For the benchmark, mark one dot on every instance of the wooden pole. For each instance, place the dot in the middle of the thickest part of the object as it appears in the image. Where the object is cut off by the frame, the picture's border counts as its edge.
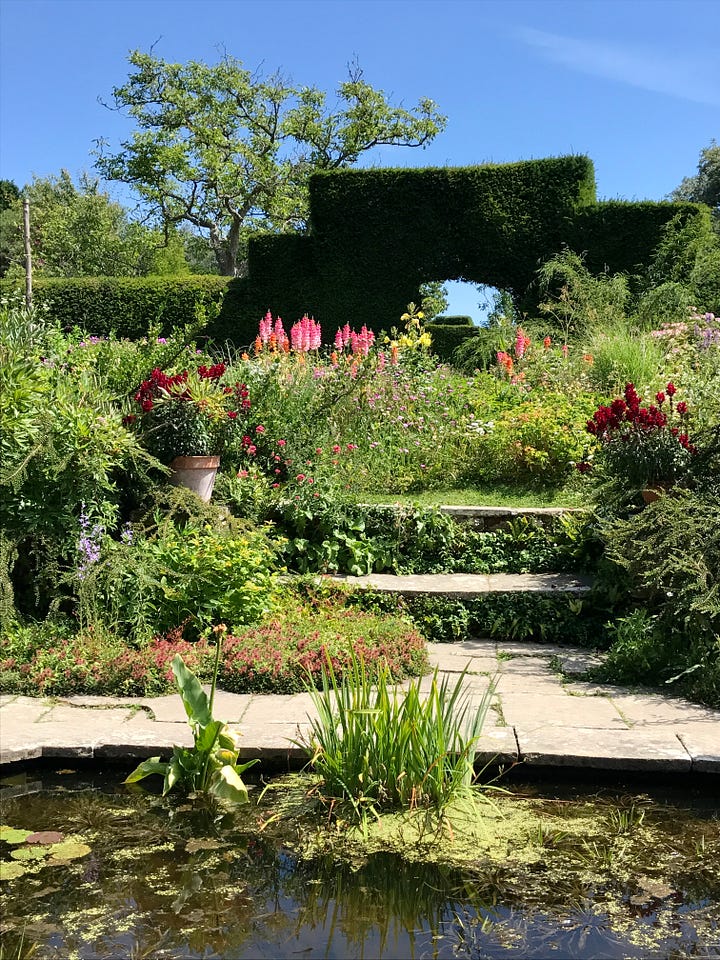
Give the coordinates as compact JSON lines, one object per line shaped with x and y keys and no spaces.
{"x":28,"y":254}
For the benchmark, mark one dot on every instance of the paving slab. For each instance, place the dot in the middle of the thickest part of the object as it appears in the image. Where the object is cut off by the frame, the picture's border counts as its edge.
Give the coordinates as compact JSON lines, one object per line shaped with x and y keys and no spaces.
{"x":703,"y":745}
{"x":528,"y":712}
{"x":649,"y":709}
{"x":467,"y":585}
{"x":610,"y":749}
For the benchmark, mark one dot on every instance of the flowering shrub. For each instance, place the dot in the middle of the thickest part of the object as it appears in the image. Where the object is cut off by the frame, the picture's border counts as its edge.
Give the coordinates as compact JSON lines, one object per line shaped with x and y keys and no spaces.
{"x":188,"y":414}
{"x":276,"y":656}
{"x":536,"y":441}
{"x":642,"y":444}
{"x":284,"y":652}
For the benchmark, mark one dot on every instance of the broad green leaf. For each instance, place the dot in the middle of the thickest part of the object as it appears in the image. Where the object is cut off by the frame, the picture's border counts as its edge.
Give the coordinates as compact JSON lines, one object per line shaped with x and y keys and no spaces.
{"x":194,"y":698}
{"x":12,"y":870}
{"x":208,"y":736}
{"x":146,"y":769}
{"x":227,"y":785}
{"x":173,"y":775}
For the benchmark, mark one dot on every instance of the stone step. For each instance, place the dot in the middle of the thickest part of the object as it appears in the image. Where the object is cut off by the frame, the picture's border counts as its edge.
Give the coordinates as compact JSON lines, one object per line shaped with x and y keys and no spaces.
{"x":490,"y":518}
{"x":467,"y":585}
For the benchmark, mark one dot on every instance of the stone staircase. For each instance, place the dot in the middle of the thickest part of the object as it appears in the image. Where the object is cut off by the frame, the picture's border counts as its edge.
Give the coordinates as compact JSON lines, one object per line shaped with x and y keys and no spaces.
{"x":468,"y":586}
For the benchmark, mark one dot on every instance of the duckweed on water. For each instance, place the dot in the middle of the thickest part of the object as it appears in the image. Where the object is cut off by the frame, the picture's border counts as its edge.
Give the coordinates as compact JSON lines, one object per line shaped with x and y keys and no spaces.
{"x":584,"y":876}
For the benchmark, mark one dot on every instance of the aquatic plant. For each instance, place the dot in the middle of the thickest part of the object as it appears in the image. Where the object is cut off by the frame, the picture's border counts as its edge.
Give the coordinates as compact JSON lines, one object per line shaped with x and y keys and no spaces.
{"x":210,"y":766}
{"x":378,"y":746}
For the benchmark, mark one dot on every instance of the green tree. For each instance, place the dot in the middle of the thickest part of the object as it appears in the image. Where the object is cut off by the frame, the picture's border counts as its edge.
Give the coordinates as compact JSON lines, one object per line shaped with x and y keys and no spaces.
{"x":78,"y":231}
{"x":11,"y":247}
{"x":704,"y":187}
{"x":230,"y":153}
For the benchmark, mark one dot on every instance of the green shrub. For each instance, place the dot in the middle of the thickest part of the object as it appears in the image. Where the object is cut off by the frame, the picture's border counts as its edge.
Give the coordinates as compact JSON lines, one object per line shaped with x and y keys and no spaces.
{"x":535,"y":441}
{"x":622,"y":354}
{"x":303,"y":636}
{"x":185,"y":577}
{"x":444,"y":320}
{"x":564,"y":619}
{"x":669,"y":558}
{"x":278,"y":655}
{"x":446,"y":338}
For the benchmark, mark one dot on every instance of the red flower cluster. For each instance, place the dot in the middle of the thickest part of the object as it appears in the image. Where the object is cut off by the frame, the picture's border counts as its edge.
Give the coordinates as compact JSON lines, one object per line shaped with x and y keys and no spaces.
{"x":158,"y":381}
{"x":610,"y":420}
{"x":212,"y":373}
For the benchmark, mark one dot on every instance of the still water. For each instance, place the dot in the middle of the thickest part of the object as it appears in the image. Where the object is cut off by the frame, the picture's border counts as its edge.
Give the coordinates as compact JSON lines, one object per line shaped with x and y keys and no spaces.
{"x":552,"y":872}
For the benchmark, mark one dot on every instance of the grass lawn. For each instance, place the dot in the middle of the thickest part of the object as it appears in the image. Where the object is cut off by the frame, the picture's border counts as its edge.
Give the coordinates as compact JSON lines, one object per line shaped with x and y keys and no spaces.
{"x":495,"y":495}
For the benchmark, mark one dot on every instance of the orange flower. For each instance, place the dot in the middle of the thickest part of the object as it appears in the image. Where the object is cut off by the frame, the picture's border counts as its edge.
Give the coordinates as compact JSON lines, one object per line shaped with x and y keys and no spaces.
{"x":588,"y":358}
{"x":258,"y":346}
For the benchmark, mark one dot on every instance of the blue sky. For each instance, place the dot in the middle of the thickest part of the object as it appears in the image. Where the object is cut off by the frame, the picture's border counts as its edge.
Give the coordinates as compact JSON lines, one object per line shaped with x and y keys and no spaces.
{"x":634,"y":84}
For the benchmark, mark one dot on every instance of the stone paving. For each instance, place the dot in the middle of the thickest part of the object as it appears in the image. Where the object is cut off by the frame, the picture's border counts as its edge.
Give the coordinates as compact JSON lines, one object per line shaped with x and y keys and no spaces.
{"x":536,"y":717}
{"x":468,"y":585}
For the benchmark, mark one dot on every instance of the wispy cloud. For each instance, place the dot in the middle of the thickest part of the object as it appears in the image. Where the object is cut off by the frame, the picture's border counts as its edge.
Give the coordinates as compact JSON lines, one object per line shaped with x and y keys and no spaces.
{"x":650,"y":69}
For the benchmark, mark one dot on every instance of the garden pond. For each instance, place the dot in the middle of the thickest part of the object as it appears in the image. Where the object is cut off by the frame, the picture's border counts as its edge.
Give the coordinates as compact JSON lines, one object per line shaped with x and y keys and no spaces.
{"x":91,"y":868}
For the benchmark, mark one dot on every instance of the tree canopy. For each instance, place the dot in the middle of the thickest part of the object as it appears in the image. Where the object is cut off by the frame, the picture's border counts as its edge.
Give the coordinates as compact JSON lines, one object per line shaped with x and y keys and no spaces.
{"x":704,"y":187}
{"x":230,"y":153}
{"x":77,"y":230}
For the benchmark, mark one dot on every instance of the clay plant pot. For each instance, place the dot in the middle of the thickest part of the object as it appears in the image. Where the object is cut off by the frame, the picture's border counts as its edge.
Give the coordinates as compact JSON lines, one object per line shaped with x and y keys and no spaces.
{"x":657,"y":490}
{"x":195,"y":473}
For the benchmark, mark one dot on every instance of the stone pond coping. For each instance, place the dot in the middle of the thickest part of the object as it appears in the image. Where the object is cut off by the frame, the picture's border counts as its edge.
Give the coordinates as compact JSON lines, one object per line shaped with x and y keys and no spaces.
{"x":538,"y":718}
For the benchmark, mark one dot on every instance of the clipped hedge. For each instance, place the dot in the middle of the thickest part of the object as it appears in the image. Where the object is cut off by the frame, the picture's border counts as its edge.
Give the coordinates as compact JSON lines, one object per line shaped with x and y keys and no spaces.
{"x":125,"y":306}
{"x":446,"y":338}
{"x":452,"y":321}
{"x":377,"y":235}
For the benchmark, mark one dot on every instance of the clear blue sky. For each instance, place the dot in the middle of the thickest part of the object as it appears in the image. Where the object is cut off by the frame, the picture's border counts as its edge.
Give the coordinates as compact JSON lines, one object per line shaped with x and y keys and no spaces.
{"x":634,"y":84}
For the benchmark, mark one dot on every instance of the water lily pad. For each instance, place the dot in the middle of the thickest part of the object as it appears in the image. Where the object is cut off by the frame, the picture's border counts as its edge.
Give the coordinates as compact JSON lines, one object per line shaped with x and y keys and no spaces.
{"x":69,"y":850}
{"x":28,"y":853}
{"x":45,"y":836}
{"x":11,"y":870}
{"x":12,"y":835}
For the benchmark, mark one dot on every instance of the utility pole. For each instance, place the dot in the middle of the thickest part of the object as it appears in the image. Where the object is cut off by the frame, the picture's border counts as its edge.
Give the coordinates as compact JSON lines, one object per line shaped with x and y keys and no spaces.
{"x":28,"y":254}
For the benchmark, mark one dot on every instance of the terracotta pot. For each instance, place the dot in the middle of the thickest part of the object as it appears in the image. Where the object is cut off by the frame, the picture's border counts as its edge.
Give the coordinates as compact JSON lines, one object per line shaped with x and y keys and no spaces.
{"x":657,"y":490}
{"x":195,"y":473}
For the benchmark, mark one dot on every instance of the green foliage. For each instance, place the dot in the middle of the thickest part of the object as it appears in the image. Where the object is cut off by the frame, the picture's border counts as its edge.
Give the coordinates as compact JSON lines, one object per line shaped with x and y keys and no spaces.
{"x":185,"y":576}
{"x":376,"y":747}
{"x":618,"y":236}
{"x":562,"y":618}
{"x":62,"y":444}
{"x":452,"y":321}
{"x":622,"y":354}
{"x":78,"y":231}
{"x":230,"y":152}
{"x":704,"y":187}
{"x":277,"y":655}
{"x":126,"y":306}
{"x":211,"y":766}
{"x":579,"y":301}
{"x":535,"y":441}
{"x":306,"y":632}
